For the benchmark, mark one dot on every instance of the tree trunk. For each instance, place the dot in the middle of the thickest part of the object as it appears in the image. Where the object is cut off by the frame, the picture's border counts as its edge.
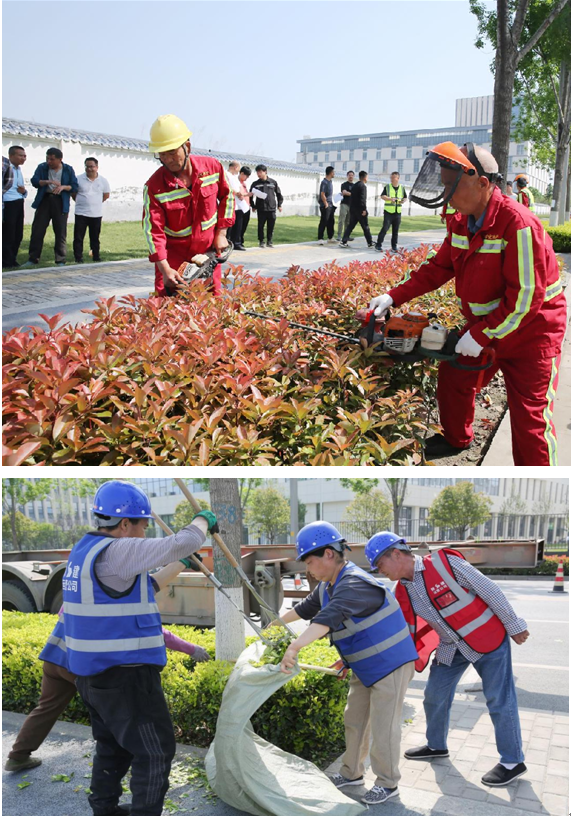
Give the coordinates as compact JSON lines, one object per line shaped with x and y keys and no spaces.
{"x":568,"y":205}
{"x":293,"y":511}
{"x":557,"y":215}
{"x":230,"y":632}
{"x":13,"y":516}
{"x":505,"y":68}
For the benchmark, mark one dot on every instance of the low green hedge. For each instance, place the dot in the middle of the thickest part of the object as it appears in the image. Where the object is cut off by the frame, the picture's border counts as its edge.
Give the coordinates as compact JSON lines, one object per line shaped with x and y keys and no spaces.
{"x":561,"y":237}
{"x":547,"y":567}
{"x":304,"y":717}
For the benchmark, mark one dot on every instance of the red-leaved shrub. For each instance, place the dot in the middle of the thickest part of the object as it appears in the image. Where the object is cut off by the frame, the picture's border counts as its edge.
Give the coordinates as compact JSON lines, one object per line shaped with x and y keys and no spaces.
{"x":193,"y":381}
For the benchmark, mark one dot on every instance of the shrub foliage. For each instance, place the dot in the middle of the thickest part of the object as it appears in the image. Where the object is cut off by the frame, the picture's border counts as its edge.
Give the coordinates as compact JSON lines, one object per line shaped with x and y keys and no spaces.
{"x":304,"y":717}
{"x":193,"y":381}
{"x":561,"y":237}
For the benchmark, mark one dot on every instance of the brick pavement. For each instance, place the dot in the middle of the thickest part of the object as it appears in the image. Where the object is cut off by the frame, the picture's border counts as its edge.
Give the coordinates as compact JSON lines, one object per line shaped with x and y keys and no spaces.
{"x":452,"y":785}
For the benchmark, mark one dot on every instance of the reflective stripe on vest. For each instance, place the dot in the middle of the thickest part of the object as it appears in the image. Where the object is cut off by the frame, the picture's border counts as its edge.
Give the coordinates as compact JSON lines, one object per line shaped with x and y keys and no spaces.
{"x":467,"y":615}
{"x":492,"y":246}
{"x":173,"y":195}
{"x":376,"y":645}
{"x":459,"y":241}
{"x":529,"y":194}
{"x":553,"y":290}
{"x":55,"y":650}
{"x":398,"y":192}
{"x":101,"y":631}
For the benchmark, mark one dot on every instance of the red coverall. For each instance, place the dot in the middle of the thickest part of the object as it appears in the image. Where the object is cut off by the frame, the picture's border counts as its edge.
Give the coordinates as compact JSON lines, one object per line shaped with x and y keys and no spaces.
{"x":179,"y":222}
{"x":507,"y":280}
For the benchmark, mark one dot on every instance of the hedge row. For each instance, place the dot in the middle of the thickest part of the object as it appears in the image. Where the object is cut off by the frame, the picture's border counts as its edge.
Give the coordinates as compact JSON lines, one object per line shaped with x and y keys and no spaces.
{"x":561,"y":237}
{"x":547,"y":567}
{"x":304,"y":717}
{"x":194,"y":381}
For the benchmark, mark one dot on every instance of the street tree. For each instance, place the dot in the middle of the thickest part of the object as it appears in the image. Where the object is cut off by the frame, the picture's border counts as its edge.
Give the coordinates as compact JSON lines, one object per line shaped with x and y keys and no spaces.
{"x":507,"y":30}
{"x":359,"y":486}
{"x":460,"y":507}
{"x":230,"y":631}
{"x":513,"y":505}
{"x":18,"y":492}
{"x":397,"y":489}
{"x":245,"y":488}
{"x":184,"y":513}
{"x":370,"y":512}
{"x":268,"y":512}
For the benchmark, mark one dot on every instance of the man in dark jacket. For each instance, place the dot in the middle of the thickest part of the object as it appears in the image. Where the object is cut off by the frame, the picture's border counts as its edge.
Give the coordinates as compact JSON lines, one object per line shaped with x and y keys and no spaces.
{"x":55,"y":182}
{"x":358,"y":212}
{"x":266,"y":204}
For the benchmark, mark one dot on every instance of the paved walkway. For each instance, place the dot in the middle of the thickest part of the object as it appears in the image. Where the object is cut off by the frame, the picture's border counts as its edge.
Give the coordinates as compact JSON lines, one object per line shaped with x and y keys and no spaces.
{"x":72,"y":288}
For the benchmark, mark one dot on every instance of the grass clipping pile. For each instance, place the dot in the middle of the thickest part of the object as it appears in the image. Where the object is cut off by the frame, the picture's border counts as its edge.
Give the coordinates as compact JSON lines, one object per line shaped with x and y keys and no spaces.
{"x":253,"y":775}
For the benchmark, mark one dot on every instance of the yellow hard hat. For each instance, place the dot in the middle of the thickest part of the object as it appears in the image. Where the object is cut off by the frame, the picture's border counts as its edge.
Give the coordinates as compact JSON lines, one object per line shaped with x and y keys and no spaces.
{"x":167,"y":133}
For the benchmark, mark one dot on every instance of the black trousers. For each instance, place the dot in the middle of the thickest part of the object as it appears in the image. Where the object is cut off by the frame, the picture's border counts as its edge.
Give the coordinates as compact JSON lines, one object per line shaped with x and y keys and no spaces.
{"x":355,"y":218}
{"x":49,"y":209}
{"x":388,"y":220}
{"x":237,"y":230}
{"x":245,"y":222}
{"x":264,"y":218}
{"x":12,"y":231}
{"x":132,"y":728}
{"x":327,"y":222}
{"x":82,"y":224}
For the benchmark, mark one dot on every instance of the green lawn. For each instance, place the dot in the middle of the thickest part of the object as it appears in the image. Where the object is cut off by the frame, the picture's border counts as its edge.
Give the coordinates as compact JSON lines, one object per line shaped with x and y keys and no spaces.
{"x":122,"y":240}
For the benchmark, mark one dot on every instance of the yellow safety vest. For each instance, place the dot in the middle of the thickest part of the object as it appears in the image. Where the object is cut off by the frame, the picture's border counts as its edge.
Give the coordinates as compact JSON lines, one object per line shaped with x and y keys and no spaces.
{"x":398,"y":192}
{"x":531,"y":198}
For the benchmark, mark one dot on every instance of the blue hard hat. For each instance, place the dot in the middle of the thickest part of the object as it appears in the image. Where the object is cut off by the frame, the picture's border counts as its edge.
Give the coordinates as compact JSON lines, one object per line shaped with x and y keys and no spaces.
{"x":380,"y":542}
{"x":121,"y":500}
{"x":315,"y":536}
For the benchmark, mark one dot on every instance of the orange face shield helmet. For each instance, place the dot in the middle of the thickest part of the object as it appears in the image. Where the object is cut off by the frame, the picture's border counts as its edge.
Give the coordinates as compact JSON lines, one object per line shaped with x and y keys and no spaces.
{"x":429,"y":189}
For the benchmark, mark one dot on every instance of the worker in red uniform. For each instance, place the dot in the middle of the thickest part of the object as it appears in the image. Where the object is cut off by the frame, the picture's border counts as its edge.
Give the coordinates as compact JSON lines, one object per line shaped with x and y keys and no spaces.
{"x":187,"y":205}
{"x":507,"y":280}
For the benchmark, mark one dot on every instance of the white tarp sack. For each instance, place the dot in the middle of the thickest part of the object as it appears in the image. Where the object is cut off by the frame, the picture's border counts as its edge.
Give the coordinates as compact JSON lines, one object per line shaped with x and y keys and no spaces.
{"x":253,"y":775}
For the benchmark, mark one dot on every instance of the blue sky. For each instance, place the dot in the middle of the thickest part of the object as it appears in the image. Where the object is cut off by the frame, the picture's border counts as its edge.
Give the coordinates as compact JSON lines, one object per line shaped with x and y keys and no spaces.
{"x":245,"y":76}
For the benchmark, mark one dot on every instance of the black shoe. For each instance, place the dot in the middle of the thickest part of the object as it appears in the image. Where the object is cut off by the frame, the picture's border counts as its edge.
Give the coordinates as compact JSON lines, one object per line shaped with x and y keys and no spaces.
{"x":379,"y":249}
{"x":270,"y":245}
{"x":240,"y":248}
{"x":350,"y":239}
{"x":120,"y":810}
{"x":425,"y":753}
{"x":262,"y":244}
{"x":78,"y":260}
{"x":500,"y":776}
{"x":96,"y":260}
{"x":438,"y":446}
{"x":344,"y":244}
{"x":371,"y":246}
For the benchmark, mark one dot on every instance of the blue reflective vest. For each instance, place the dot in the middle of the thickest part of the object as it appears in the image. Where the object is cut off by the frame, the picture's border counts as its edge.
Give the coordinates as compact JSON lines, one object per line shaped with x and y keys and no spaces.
{"x":55,"y":650}
{"x":374,"y":646}
{"x":100,"y":631}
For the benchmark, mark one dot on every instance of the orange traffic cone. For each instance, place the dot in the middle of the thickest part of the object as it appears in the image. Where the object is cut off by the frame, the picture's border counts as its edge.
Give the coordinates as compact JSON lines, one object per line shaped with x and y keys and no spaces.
{"x":559,"y":585}
{"x":297,"y":581}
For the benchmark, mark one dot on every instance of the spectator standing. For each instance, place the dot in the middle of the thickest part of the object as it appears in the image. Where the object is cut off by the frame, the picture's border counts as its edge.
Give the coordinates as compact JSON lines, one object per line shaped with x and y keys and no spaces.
{"x":345,"y":206}
{"x":510,"y":190}
{"x":326,"y":207}
{"x":13,"y":195}
{"x":358,"y":213}
{"x":266,"y":207}
{"x":393,"y":195}
{"x":234,"y":181}
{"x":242,"y":208}
{"x":55,"y":183}
{"x":93,"y":191}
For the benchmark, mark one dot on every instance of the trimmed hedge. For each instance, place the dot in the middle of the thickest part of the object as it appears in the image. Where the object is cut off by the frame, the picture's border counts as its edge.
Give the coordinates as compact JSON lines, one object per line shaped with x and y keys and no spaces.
{"x":305,"y":717}
{"x":547,"y":567}
{"x":561,"y":237}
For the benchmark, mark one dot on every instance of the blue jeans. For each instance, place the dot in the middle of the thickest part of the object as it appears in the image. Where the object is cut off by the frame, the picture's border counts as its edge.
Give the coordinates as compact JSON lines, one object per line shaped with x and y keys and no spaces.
{"x":495,"y":669}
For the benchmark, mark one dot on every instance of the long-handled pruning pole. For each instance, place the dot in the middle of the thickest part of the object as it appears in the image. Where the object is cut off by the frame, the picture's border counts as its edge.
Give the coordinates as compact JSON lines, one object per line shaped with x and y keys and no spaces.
{"x":242,"y":575}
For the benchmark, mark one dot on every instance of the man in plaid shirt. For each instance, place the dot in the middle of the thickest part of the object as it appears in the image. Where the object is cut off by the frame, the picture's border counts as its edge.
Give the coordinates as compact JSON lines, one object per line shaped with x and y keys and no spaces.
{"x":469,"y":621}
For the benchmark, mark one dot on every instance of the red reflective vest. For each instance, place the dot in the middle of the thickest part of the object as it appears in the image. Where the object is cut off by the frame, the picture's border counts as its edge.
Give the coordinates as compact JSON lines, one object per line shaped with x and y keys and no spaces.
{"x":507,"y":279}
{"x":460,"y":609}
{"x":178,"y":222}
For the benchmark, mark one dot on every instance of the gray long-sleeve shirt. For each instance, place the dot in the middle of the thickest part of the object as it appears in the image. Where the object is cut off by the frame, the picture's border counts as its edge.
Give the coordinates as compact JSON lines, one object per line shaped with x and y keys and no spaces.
{"x":352,"y":597}
{"x":125,"y":558}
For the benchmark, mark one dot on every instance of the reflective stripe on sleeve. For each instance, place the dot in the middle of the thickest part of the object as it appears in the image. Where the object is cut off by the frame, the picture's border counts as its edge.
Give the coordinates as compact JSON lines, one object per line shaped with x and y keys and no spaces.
{"x":210,"y":223}
{"x":229,"y":211}
{"x":526,"y":273}
{"x":553,"y":290}
{"x":484,"y":308}
{"x":459,"y":241}
{"x":212,"y":179}
{"x":147,"y":229}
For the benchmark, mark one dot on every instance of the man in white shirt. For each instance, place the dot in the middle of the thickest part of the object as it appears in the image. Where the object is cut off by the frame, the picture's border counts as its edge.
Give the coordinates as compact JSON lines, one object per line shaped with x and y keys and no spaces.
{"x":93,"y":191}
{"x":13,"y":195}
{"x":234,"y":182}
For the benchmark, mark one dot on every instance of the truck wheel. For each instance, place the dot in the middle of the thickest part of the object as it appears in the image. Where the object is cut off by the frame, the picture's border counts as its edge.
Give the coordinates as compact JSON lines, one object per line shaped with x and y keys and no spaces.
{"x":16,"y":598}
{"x":57,"y":602}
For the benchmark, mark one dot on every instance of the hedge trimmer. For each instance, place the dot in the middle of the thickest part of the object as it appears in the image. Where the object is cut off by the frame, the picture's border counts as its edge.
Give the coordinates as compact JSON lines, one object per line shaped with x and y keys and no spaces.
{"x":203,"y":266}
{"x":407,"y":338}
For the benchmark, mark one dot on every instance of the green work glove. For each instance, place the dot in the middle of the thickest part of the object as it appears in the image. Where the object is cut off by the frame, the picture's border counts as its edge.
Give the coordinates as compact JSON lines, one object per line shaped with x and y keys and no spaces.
{"x":210,"y":518}
{"x":189,"y":563}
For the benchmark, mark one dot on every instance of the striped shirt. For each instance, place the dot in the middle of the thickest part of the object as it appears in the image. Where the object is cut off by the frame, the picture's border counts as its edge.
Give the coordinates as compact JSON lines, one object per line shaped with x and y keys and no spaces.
{"x":125,"y":558}
{"x":472,"y":579}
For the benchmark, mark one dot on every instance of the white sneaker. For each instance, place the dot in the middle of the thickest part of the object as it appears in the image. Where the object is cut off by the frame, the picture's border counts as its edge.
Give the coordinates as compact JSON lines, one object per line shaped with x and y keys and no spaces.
{"x":321,"y":243}
{"x":332,"y":241}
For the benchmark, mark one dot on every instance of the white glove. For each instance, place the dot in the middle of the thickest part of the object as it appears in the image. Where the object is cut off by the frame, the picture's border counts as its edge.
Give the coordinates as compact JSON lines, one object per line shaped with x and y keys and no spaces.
{"x":467,"y":345}
{"x":381,"y":304}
